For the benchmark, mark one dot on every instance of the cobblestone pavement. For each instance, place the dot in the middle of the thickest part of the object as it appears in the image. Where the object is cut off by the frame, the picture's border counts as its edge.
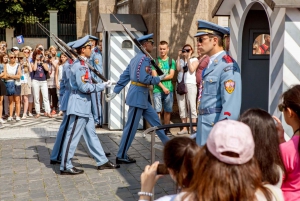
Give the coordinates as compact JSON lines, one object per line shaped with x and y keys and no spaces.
{"x":26,"y":173}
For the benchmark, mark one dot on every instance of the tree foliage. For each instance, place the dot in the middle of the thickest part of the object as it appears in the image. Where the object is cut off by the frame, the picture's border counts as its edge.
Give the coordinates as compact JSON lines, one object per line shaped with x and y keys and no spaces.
{"x":14,"y":12}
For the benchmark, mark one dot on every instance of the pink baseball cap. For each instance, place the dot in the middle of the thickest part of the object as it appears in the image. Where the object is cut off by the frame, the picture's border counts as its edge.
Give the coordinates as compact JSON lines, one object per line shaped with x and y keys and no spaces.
{"x":231,"y":136}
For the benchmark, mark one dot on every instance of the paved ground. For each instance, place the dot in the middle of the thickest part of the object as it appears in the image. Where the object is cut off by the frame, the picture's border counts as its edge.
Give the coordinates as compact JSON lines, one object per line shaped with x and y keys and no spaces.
{"x":26,"y":174}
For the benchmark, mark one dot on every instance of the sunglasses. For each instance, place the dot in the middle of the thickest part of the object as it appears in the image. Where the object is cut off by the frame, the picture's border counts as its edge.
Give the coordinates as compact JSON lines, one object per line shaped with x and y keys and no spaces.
{"x":281,"y":107}
{"x":26,"y":52}
{"x":185,"y":50}
{"x":12,"y":57}
{"x":200,"y":40}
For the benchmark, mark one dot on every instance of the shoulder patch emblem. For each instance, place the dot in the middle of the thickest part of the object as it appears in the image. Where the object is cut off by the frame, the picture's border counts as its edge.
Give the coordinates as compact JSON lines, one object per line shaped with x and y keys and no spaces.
{"x":229,"y":86}
{"x":228,"y":59}
{"x":96,"y":61}
{"x":230,"y":68}
{"x":82,"y":62}
{"x":70,"y":61}
{"x":96,"y":49}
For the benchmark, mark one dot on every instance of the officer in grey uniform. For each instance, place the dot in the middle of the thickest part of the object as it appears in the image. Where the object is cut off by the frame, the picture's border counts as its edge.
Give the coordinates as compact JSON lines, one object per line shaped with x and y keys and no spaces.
{"x":96,"y":61}
{"x":221,"y":81}
{"x":80,"y":111}
{"x":139,"y":73}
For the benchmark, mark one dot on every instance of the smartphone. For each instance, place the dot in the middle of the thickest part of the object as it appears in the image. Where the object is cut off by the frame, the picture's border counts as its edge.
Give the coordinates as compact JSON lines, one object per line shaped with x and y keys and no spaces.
{"x":162,"y":169}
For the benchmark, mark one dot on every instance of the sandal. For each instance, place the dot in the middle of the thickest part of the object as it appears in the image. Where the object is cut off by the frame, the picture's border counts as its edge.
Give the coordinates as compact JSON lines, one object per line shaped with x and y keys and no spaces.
{"x":37,"y":116}
{"x":48,"y":115}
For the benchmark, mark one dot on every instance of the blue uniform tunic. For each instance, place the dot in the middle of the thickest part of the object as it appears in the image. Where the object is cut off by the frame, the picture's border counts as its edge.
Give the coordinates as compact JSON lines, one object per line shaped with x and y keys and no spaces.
{"x":138,"y":71}
{"x":221,"y":95}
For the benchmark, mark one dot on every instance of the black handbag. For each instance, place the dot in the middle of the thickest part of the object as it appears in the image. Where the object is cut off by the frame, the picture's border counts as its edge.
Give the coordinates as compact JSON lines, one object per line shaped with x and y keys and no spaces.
{"x":181,"y":88}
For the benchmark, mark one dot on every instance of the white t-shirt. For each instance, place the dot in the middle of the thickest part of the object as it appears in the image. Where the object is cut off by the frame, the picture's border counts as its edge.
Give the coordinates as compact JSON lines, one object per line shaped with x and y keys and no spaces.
{"x":13,"y":70}
{"x":60,"y":69}
{"x":189,"y":78}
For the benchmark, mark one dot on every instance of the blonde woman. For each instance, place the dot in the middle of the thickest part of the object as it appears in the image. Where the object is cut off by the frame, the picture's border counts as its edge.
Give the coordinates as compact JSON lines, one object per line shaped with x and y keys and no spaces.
{"x":25,"y":82}
{"x":12,"y":73}
{"x":27,"y":53}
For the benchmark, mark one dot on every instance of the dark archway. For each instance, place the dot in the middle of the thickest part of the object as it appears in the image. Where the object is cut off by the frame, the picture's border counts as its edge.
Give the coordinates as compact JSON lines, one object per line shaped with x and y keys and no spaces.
{"x":255,"y":60}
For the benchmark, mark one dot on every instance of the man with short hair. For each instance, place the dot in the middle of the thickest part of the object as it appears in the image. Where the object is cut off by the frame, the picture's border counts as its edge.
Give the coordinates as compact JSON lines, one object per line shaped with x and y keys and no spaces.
{"x":221,"y":87}
{"x":163,"y":92}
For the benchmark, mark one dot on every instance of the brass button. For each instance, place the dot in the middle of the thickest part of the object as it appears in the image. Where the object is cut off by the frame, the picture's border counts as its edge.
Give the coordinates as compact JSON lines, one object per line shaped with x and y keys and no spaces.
{"x":203,"y":82}
{"x":210,"y":80}
{"x":212,"y":123}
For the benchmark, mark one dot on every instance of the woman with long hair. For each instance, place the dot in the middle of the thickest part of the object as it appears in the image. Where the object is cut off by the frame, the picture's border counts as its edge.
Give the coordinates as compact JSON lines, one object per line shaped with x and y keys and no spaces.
{"x":12,"y":73}
{"x":2,"y":85}
{"x":27,"y":51}
{"x":267,"y":151}
{"x":39,"y":80}
{"x":178,"y":157}
{"x":25,"y":82}
{"x":290,"y":150}
{"x":53,"y":64}
{"x":187,"y":66}
{"x":58,"y":75}
{"x":226,"y":169}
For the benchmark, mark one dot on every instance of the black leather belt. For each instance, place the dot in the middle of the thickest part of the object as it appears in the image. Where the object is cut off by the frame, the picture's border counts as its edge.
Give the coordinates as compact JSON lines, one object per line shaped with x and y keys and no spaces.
{"x":209,"y":110}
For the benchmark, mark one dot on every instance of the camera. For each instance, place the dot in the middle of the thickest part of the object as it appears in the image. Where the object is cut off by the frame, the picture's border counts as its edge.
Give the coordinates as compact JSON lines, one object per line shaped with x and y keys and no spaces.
{"x":40,"y":48}
{"x":184,"y":51}
{"x":185,"y":68}
{"x":162,"y":169}
{"x":49,"y":56}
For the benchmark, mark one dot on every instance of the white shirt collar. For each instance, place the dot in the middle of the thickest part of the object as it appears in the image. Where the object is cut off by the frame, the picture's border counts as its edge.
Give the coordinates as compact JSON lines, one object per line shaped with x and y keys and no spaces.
{"x":213,"y":57}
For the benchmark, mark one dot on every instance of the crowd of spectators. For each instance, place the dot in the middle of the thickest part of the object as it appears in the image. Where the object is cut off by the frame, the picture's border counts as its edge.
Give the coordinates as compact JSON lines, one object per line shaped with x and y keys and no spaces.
{"x":29,"y":82}
{"x":247,"y":159}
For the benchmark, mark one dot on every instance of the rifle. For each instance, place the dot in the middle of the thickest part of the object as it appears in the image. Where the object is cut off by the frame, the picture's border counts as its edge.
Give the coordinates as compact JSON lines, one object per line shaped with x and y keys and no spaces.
{"x":69,"y":51}
{"x":138,"y":44}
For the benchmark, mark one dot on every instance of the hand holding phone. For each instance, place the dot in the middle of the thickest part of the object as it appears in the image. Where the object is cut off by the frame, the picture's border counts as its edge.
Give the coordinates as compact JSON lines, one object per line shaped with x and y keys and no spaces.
{"x":162,"y":169}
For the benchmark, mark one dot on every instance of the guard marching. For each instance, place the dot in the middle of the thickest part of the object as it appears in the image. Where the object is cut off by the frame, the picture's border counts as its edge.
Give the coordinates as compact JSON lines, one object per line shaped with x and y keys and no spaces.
{"x":221,"y":86}
{"x":80,"y":113}
{"x":139,"y":73}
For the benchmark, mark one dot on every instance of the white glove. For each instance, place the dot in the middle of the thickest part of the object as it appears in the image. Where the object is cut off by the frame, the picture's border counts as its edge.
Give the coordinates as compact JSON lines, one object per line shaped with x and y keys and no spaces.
{"x":108,"y":84}
{"x":110,"y":96}
{"x":162,"y":76}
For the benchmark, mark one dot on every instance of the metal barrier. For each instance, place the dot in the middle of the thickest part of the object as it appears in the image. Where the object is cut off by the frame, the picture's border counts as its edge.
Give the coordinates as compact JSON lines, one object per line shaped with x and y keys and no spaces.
{"x":154,"y":146}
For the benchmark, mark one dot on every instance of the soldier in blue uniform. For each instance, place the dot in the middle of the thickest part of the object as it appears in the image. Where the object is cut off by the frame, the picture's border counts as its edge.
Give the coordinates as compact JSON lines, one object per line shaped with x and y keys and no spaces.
{"x":64,"y":93}
{"x":80,"y":113}
{"x":221,"y":86}
{"x":96,"y":61}
{"x":139,"y":73}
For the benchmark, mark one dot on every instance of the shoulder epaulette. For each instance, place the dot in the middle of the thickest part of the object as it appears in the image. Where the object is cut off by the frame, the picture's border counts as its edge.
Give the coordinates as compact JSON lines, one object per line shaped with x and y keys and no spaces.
{"x":82,"y":62}
{"x":230,"y":68}
{"x":228,"y":59}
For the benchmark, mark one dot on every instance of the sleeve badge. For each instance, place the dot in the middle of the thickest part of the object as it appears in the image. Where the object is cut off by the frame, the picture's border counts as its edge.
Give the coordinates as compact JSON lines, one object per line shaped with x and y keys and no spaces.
{"x":229,"y":86}
{"x":96,"y":61}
